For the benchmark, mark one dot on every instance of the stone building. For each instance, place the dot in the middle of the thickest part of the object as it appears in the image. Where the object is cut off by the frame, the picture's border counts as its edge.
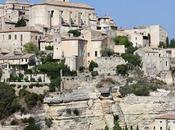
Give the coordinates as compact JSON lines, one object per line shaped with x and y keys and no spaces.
{"x":63,"y":14}
{"x":106,"y":24}
{"x":157,"y":63}
{"x":11,"y":11}
{"x":14,"y":39}
{"x":146,"y":35}
{"x":15,"y":63}
{"x":165,"y":122}
{"x":73,"y":50}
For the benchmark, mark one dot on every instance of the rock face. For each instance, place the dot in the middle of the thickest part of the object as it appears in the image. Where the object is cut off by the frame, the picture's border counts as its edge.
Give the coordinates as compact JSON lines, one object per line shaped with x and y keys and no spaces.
{"x":142,"y":111}
{"x":81,"y":109}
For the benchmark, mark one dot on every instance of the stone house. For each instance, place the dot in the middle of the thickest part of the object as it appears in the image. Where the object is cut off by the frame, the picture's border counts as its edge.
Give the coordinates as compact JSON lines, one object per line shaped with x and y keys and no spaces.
{"x":142,"y":36}
{"x":73,"y":50}
{"x":62,"y":13}
{"x":165,"y":122}
{"x":14,"y":39}
{"x":16,"y":63}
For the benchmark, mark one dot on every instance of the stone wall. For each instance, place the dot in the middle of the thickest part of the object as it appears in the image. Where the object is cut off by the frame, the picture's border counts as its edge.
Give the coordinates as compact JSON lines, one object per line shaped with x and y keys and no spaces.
{"x":107,"y":65}
{"x":142,"y":111}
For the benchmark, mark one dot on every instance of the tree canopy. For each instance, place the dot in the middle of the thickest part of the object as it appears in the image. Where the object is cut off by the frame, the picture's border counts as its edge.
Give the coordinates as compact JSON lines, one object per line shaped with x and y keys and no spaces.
{"x":76,"y":33}
{"x":122,"y":40}
{"x":20,"y":23}
{"x":8,"y":101}
{"x":31,"y":48}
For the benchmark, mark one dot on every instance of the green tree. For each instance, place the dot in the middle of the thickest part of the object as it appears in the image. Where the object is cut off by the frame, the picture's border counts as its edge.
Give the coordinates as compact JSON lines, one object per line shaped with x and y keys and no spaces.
{"x":122,"y":69}
{"x":167,"y":42}
{"x":75,"y":33}
{"x":92,"y":65}
{"x":8,"y":101}
{"x":162,"y":45}
{"x":31,"y":48}
{"x":132,"y":59}
{"x":20,"y":23}
{"x":122,"y":40}
{"x":172,"y":43}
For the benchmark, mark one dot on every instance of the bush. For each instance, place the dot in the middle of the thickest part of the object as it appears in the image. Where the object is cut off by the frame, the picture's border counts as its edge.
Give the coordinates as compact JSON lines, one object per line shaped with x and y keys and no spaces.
{"x":139,"y":89}
{"x":9,"y":103}
{"x":75,"y":33}
{"x":106,"y":128}
{"x":20,"y":23}
{"x":132,"y":59}
{"x":92,"y":65}
{"x":49,"y":48}
{"x":14,"y":122}
{"x":32,"y":127}
{"x":122,"y":69}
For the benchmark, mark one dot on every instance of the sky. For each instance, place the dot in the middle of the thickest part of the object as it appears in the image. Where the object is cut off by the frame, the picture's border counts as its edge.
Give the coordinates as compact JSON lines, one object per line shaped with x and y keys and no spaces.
{"x":130,"y":13}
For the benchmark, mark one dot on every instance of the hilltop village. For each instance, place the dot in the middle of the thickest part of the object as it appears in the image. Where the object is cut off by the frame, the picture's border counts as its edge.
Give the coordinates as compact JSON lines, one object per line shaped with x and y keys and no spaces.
{"x":62,"y":67}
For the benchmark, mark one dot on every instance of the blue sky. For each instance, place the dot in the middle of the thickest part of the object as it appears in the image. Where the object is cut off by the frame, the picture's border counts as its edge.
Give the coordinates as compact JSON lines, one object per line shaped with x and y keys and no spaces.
{"x":129,"y":13}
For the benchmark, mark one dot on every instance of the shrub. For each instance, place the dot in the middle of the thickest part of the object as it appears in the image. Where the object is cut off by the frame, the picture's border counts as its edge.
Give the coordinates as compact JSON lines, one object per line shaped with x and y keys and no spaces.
{"x":49,"y":48}
{"x":139,"y":89}
{"x":122,"y":69}
{"x":32,"y":127}
{"x":20,"y":23}
{"x":92,"y":65}
{"x":8,"y":101}
{"x":75,"y":33}
{"x":14,"y":122}
{"x":132,"y":59}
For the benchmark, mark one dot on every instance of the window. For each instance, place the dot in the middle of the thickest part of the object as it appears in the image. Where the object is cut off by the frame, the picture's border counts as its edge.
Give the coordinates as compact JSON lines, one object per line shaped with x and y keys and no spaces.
{"x":88,"y":54}
{"x":35,"y":37}
{"x":166,"y":63}
{"x":160,"y":121}
{"x":160,"y":128}
{"x":15,"y":36}
{"x":21,"y":37}
{"x":96,"y":53}
{"x":10,"y":37}
{"x":26,"y":60}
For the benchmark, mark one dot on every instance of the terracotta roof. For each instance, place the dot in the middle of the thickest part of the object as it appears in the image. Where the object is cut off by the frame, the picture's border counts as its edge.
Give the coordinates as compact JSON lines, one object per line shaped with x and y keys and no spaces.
{"x":20,"y":29}
{"x":170,"y":116}
{"x":65,"y":4}
{"x":15,"y":57}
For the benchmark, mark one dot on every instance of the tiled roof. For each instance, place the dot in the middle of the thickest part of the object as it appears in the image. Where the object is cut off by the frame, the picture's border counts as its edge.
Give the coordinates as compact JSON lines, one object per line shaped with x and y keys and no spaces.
{"x":170,"y":116}
{"x":20,"y":29}
{"x":65,"y":4}
{"x":15,"y":57}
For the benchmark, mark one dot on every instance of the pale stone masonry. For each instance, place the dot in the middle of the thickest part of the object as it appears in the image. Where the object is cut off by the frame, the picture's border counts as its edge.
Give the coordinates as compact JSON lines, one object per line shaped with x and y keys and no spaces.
{"x":143,"y":36}
{"x":15,"y":39}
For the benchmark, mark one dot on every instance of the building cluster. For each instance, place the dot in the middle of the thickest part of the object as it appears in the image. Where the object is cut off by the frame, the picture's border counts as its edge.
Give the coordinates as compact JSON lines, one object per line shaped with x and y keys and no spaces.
{"x":48,"y":25}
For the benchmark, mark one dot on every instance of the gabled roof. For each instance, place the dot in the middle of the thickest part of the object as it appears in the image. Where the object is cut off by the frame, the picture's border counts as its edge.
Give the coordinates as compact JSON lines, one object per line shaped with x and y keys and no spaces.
{"x":66,"y":4}
{"x":20,"y":29}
